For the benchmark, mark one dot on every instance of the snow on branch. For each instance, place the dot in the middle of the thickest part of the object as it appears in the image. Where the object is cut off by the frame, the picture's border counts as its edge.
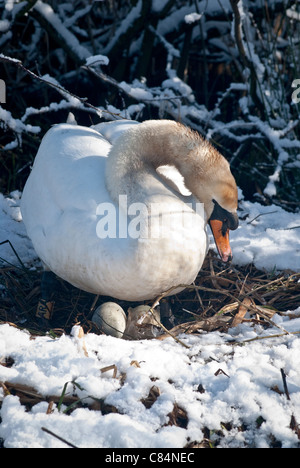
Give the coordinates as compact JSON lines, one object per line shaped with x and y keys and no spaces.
{"x":130,"y":26}
{"x":18,"y":126}
{"x":49,"y":20}
{"x":223,"y":68}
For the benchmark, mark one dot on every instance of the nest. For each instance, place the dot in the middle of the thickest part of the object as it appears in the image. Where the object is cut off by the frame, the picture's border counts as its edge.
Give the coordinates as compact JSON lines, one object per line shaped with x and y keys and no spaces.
{"x":219,"y":298}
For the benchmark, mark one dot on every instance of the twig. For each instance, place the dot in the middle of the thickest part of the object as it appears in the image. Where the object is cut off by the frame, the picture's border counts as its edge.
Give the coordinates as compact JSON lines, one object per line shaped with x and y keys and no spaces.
{"x":221,"y":291}
{"x":271,"y":283}
{"x":198,"y":296}
{"x":209,"y":324}
{"x":59,"y":88}
{"x":58,"y":437}
{"x":50,"y":22}
{"x":293,"y":424}
{"x":258,"y":338}
{"x":111,"y":81}
{"x":151,"y":309}
{"x":283,"y":375}
{"x":289,"y":228}
{"x":247,"y":62}
{"x":27,"y":6}
{"x":7,"y":241}
{"x":94,"y":303}
{"x":112,"y":367}
{"x":129,"y":28}
{"x":261,"y":214}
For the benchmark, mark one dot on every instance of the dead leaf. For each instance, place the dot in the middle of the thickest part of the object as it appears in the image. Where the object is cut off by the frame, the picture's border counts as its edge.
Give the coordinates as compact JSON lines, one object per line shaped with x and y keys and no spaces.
{"x":209,"y":324}
{"x":50,"y":409}
{"x":220,"y":371}
{"x":243,"y":309}
{"x":295,"y":426}
{"x":154,"y":393}
{"x":178,"y":417}
{"x":80,"y":336}
{"x":108,"y":368}
{"x":135,"y":363}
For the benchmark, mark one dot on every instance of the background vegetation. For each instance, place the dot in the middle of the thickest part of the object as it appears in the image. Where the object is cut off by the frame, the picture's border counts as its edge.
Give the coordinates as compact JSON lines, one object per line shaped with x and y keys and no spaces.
{"x":225,"y":68}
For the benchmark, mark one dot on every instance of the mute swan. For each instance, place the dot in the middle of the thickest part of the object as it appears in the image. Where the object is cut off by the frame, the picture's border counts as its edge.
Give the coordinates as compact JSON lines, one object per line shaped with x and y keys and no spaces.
{"x":102,"y":217}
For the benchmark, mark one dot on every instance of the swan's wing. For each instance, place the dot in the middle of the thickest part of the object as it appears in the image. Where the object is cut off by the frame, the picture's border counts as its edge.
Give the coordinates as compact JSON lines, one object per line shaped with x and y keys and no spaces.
{"x":69,"y":166}
{"x":112,"y":130}
{"x":66,"y":185}
{"x":173,"y":178}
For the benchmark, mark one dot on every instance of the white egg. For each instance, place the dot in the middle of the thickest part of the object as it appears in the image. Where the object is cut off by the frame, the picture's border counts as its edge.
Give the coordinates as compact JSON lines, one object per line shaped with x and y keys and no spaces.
{"x":110,"y":318}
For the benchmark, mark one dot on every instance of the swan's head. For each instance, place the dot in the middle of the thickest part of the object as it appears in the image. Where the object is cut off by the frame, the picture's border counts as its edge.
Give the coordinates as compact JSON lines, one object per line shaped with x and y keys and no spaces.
{"x":222,"y":215}
{"x":214,"y":185}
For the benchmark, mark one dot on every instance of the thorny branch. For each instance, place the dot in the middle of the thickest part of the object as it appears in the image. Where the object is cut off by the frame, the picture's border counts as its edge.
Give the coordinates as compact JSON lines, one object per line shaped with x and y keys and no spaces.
{"x":56,"y":86}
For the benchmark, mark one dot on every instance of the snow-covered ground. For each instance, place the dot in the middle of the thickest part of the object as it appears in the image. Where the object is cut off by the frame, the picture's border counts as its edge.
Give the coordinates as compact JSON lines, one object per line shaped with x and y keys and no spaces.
{"x":222,"y":386}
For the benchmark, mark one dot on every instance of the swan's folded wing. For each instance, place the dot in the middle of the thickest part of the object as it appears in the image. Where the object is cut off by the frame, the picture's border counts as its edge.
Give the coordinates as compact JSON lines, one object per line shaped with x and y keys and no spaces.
{"x":113,"y":130}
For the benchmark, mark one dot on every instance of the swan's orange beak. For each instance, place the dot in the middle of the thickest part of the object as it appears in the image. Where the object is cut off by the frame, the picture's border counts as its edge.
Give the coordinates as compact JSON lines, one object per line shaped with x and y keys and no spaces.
{"x":222,"y":241}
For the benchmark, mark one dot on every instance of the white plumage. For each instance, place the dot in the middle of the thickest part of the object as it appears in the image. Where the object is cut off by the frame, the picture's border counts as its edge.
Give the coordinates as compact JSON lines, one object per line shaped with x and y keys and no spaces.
{"x":73,"y":181}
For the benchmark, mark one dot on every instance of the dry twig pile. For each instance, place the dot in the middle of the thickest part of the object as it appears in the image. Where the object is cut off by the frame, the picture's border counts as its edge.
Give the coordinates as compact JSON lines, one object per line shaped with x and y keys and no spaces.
{"x":219,"y":298}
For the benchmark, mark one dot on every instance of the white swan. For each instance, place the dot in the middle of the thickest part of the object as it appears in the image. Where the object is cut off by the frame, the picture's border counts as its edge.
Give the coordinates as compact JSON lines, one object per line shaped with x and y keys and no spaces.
{"x":153,"y":237}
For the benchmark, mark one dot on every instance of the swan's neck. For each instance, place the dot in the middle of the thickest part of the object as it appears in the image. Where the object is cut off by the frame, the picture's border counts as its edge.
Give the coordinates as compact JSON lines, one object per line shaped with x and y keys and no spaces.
{"x":137,"y":154}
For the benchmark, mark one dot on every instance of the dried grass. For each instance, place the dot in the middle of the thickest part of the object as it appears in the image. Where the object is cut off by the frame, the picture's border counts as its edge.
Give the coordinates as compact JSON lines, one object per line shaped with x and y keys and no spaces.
{"x":219,"y":298}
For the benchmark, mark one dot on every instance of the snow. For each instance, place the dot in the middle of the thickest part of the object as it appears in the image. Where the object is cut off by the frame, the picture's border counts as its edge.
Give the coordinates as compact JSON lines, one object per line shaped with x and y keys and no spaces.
{"x":229,"y":382}
{"x":192,"y":18}
{"x":136,"y":90}
{"x":4,"y":26}
{"x":293,"y":14}
{"x":16,"y":124}
{"x":72,"y":42}
{"x":12,"y":229}
{"x":128,"y":22}
{"x":241,"y":393}
{"x":97,"y":60}
{"x":268,"y":237}
{"x":238,"y":382}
